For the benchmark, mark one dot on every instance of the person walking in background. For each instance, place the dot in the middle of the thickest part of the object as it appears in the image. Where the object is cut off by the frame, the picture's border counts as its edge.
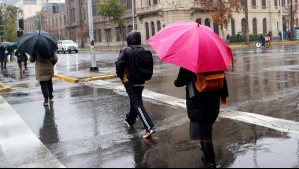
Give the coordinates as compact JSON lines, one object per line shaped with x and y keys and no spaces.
{"x":238,"y":37}
{"x":126,"y":69}
{"x":21,"y":59}
{"x":2,"y":58}
{"x":228,"y":38}
{"x":11,"y":53}
{"x":203,"y":110}
{"x":44,"y":71}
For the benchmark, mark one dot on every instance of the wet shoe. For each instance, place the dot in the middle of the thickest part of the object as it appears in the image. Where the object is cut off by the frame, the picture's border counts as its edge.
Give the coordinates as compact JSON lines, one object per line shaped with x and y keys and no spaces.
{"x":148,"y":134}
{"x":129,"y":125}
{"x":51,"y":98}
{"x":46,"y":102}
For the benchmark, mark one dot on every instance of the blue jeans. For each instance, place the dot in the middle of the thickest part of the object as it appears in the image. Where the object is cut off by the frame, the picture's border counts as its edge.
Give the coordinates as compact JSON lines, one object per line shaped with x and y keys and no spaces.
{"x":136,"y":107}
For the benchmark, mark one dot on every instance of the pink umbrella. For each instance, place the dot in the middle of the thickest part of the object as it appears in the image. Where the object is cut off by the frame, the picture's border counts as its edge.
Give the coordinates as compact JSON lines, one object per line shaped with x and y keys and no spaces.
{"x":193,"y":47}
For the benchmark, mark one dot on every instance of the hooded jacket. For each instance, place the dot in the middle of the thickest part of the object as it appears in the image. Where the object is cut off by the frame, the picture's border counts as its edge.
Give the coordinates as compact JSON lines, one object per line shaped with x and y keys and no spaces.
{"x":123,"y":62}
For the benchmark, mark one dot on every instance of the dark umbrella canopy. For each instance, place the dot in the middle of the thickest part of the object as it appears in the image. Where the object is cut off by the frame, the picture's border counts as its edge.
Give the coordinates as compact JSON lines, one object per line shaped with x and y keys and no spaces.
{"x":40,"y":42}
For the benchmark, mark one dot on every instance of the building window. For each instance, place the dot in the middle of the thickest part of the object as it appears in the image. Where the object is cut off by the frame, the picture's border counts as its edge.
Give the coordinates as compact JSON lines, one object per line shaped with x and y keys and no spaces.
{"x":108,"y":35}
{"x":254,"y":26}
{"x":124,"y":33}
{"x":155,"y":2}
{"x":99,"y":35}
{"x":233,"y":26}
{"x":158,"y":26}
{"x":253,"y":2}
{"x":216,"y":28}
{"x":264,"y":4}
{"x":265,"y":25}
{"x":153,"y":28}
{"x":243,"y":25}
{"x":130,"y":28}
{"x":207,"y":22}
{"x":297,"y":22}
{"x":147,"y":30}
{"x":118,"y":34}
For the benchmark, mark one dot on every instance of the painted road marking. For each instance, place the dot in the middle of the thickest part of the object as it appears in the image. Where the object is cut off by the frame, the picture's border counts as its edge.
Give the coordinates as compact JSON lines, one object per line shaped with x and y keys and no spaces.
{"x":252,"y":118}
{"x":20,"y":146}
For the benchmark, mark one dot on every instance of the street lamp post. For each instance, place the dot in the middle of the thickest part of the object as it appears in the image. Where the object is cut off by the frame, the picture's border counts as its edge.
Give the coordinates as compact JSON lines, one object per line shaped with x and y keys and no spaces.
{"x":133,"y":14}
{"x":91,"y":37}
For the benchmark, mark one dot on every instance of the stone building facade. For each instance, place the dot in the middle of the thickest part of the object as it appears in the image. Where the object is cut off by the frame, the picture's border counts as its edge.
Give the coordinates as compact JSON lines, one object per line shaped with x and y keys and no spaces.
{"x":70,"y":21}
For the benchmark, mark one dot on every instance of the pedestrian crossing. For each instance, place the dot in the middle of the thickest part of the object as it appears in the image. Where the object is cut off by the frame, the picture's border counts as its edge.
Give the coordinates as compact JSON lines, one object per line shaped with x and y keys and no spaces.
{"x":251,"y":118}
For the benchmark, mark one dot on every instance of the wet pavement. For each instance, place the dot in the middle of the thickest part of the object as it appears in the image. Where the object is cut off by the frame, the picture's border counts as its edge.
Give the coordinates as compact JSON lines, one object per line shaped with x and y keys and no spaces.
{"x":84,"y":126}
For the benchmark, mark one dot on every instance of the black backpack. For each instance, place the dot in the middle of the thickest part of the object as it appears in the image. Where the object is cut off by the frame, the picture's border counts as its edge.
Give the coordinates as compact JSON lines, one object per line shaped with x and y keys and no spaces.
{"x":141,"y":63}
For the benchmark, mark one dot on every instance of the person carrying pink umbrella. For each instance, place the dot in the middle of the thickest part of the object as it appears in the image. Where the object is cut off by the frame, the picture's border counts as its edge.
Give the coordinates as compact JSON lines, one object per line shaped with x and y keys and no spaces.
{"x":196,"y":49}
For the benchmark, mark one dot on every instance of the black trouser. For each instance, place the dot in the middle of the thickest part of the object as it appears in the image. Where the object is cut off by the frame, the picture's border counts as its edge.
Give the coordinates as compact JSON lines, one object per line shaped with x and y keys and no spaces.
{"x":137,"y":108}
{"x":3,"y":62}
{"x":47,"y":88}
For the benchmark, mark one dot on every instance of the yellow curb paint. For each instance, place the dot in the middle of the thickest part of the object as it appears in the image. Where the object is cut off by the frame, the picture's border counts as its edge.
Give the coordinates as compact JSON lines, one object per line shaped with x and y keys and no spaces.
{"x":5,"y":88}
{"x":100,"y":78}
{"x":68,"y":79}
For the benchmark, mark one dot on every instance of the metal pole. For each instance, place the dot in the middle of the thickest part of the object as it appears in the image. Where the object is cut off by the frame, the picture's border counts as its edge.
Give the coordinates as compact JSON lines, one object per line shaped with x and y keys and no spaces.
{"x":133,"y":14}
{"x":281,"y":21}
{"x":91,"y":37}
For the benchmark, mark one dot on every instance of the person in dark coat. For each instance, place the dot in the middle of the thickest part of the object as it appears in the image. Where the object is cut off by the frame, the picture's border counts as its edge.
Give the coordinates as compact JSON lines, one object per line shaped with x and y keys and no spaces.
{"x":21,"y":59}
{"x":2,"y":58}
{"x":203,"y":110}
{"x":133,"y":88}
{"x":44,"y":72}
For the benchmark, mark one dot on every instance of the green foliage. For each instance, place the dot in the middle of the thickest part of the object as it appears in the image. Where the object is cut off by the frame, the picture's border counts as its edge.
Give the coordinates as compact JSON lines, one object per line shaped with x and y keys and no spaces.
{"x":252,"y":38}
{"x":8,"y":22}
{"x":113,"y":9}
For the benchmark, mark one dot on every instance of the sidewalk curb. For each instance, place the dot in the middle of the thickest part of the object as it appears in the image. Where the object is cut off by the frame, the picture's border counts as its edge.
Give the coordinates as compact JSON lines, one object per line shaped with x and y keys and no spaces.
{"x":75,"y":80}
{"x":100,"y":78}
{"x":65,"y":78}
{"x":5,"y":88}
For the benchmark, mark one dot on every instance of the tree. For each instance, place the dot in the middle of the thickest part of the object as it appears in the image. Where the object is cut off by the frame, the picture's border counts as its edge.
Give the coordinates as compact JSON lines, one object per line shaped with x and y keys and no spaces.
{"x":40,"y":18}
{"x":2,"y":26}
{"x":9,"y":15}
{"x":221,"y":11}
{"x":290,"y":9}
{"x":114,"y":10}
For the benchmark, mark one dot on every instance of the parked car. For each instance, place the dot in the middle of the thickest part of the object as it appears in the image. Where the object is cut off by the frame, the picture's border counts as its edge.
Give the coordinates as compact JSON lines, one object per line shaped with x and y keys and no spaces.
{"x":67,"y":46}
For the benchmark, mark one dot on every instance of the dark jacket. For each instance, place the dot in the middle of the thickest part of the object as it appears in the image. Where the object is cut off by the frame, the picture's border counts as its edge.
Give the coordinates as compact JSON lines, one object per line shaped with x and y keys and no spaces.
{"x":123,"y":62}
{"x":21,"y":56}
{"x":2,"y":52}
{"x":203,"y":102}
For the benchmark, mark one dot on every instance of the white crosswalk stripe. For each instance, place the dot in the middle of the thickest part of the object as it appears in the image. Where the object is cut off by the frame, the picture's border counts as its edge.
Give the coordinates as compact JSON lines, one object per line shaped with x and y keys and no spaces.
{"x":252,"y":118}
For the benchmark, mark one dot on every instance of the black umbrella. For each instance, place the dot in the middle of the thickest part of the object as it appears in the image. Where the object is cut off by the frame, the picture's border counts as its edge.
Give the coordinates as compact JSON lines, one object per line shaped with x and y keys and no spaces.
{"x":40,"y":42}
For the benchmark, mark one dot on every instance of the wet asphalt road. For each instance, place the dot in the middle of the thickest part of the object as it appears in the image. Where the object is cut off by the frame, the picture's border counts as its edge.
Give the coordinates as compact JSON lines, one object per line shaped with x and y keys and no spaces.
{"x":84,"y":127}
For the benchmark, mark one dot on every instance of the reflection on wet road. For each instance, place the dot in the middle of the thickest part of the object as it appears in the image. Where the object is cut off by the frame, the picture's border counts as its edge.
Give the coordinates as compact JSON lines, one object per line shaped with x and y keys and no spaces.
{"x":85,"y":127}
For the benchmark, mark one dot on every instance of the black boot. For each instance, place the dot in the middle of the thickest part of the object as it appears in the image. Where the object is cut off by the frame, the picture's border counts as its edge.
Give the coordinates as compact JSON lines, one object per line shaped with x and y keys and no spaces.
{"x":209,"y":155}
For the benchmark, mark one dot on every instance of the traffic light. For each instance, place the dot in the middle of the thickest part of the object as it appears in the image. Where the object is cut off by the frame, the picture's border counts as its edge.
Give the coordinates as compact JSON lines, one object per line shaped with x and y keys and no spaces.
{"x":19,"y":33}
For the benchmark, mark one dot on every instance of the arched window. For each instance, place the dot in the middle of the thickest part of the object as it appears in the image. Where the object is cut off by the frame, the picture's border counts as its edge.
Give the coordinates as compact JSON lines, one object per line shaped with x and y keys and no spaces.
{"x":147,"y":30}
{"x":264,"y":4}
{"x":207,"y":22}
{"x":158,"y":26}
{"x":216,"y":28}
{"x":254,"y":26}
{"x":243,"y":25}
{"x":233,"y":26}
{"x":153,"y":28}
{"x":265,"y":25}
